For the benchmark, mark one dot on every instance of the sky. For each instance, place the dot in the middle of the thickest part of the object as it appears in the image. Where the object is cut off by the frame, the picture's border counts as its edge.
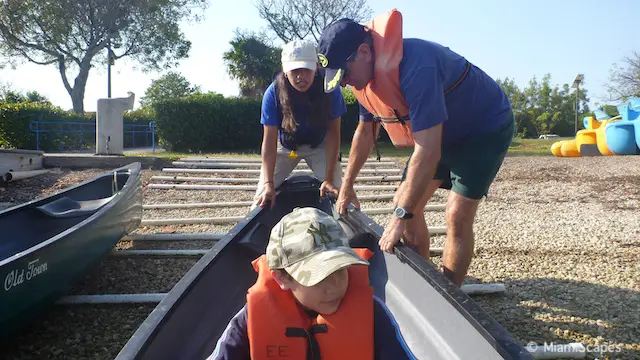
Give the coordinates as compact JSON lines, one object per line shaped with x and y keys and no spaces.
{"x":515,"y":39}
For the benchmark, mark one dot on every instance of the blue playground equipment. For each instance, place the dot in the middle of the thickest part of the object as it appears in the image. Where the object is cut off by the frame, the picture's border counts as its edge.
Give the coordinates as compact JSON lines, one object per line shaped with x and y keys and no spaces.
{"x":623,"y":136}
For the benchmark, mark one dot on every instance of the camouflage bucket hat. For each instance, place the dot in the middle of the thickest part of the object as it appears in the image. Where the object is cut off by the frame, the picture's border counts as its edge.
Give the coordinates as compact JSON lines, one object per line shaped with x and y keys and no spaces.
{"x":310,"y":245}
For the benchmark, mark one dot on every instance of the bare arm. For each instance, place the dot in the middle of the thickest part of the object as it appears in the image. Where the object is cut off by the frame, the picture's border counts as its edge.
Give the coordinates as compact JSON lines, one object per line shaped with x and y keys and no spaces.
{"x":333,"y":148}
{"x":361,"y":146}
{"x":269,"y":152}
{"x":422,"y":166}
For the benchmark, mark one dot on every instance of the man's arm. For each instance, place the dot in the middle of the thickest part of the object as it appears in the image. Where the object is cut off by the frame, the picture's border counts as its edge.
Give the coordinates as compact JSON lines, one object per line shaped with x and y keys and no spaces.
{"x":422,"y":166}
{"x":359,"y":152}
{"x":422,"y":88}
{"x":338,"y":109}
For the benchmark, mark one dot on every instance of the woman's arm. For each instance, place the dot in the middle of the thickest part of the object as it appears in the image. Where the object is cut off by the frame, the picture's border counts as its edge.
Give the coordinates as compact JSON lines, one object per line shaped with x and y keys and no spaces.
{"x":269,"y":152}
{"x":332,"y":148}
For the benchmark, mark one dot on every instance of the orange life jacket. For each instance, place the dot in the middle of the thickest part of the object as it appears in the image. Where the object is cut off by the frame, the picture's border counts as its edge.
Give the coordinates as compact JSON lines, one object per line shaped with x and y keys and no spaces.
{"x":273,"y":316}
{"x":382,"y":97}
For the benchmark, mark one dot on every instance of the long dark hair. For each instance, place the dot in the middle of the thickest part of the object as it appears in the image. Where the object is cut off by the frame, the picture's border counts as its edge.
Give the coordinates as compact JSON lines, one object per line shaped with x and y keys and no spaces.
{"x":315,"y":99}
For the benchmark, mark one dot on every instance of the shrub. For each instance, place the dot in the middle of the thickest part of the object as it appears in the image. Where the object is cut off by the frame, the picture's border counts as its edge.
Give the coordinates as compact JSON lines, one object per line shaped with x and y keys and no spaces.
{"x":212,"y":123}
{"x":209,"y":123}
{"x":16,"y":118}
{"x":15,"y":132}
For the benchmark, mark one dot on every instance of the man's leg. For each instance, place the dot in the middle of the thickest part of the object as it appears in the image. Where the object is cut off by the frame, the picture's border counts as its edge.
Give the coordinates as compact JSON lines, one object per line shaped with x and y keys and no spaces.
{"x":474,"y":164}
{"x":458,"y":250}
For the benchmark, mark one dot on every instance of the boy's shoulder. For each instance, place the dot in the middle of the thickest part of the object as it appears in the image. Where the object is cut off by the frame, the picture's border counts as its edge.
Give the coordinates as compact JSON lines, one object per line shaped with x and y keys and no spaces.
{"x":234,"y":341}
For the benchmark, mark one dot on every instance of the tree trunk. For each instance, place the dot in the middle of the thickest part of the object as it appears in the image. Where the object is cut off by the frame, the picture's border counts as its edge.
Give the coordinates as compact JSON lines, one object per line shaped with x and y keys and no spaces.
{"x":77,"y":93}
{"x":77,"y":98}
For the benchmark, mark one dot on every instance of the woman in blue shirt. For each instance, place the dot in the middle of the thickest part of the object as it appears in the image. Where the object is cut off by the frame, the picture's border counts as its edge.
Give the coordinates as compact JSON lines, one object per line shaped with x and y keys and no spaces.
{"x":300,"y":121}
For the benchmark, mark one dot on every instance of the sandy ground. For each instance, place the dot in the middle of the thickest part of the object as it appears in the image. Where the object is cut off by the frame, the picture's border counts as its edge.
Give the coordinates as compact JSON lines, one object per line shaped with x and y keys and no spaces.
{"x":563,"y":235}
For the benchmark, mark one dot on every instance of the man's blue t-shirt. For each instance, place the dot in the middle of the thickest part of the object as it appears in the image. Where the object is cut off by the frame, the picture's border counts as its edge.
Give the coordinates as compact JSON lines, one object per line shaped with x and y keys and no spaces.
{"x":427,"y":70}
{"x":304,"y":133}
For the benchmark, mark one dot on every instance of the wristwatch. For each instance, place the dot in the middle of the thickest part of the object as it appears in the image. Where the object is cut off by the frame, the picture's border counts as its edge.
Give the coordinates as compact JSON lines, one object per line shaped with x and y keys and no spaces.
{"x":402,"y":213}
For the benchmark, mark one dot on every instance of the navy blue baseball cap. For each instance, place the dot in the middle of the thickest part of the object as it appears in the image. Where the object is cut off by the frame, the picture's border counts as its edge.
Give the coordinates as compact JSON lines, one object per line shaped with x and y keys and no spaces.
{"x":338,"y":42}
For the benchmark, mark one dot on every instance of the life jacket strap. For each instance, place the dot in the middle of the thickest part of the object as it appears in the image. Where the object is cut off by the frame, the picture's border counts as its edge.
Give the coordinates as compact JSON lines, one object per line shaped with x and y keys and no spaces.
{"x":313,"y":348}
{"x":464,"y":75}
{"x":404,"y":119}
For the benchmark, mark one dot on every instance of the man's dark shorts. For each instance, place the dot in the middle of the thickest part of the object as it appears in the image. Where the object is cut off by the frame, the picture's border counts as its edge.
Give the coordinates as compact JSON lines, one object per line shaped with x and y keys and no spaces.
{"x":469,"y":166}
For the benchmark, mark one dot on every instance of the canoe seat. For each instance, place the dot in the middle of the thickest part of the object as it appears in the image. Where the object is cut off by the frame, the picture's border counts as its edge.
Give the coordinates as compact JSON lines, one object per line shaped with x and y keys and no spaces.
{"x":66,"y":207}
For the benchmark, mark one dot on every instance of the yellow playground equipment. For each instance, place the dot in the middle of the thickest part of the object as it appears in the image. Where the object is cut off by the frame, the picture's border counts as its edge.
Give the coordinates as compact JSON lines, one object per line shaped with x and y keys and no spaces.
{"x":590,"y":141}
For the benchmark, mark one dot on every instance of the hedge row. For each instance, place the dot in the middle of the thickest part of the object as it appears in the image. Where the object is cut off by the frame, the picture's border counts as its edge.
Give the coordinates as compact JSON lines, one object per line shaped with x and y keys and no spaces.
{"x":213,"y":123}
{"x":15,"y":132}
{"x":197,"y":123}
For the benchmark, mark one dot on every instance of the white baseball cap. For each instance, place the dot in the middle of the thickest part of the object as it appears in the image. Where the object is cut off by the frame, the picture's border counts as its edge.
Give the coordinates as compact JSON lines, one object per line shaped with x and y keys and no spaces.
{"x":298,"y":54}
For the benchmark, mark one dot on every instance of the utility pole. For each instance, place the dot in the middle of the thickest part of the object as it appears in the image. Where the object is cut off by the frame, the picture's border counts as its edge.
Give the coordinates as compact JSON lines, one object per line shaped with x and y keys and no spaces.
{"x":109,"y":63}
{"x":576,"y":85}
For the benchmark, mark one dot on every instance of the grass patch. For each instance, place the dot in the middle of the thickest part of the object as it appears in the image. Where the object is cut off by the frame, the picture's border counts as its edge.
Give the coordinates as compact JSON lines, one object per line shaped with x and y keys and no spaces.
{"x":519,"y":147}
{"x":532,"y":147}
{"x":174,"y":156}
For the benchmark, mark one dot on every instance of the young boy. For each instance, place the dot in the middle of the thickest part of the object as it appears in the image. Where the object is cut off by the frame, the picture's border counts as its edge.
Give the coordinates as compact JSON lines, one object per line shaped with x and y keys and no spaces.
{"x":312,"y":300}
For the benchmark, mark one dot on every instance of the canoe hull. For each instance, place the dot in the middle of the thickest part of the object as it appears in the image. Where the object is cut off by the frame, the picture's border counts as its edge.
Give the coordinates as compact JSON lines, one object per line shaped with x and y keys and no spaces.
{"x":190,"y":319}
{"x":33,"y":278}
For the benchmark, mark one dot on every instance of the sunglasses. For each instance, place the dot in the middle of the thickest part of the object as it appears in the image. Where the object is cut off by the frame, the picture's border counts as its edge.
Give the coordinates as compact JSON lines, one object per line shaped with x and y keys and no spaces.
{"x":350,"y":58}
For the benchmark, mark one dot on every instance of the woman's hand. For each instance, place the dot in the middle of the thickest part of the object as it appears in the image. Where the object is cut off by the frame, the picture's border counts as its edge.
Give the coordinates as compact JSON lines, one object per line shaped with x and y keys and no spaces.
{"x":328,"y":188}
{"x":268,"y":194}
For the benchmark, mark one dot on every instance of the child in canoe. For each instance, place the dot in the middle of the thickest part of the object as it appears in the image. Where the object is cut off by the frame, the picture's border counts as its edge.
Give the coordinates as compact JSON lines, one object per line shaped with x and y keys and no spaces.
{"x":312,"y":300}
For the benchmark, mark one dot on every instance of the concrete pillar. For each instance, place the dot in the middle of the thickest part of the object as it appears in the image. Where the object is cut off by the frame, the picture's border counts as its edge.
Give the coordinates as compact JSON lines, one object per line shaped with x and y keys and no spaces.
{"x":109,"y":124}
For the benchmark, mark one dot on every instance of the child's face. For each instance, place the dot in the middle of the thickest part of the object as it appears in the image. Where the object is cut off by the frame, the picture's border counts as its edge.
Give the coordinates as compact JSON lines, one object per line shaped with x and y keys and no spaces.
{"x":324,"y":297}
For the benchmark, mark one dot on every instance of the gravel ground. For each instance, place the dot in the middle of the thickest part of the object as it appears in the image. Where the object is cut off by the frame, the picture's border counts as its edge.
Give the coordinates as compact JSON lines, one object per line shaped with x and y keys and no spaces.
{"x":561,"y":234}
{"x":18,"y":192}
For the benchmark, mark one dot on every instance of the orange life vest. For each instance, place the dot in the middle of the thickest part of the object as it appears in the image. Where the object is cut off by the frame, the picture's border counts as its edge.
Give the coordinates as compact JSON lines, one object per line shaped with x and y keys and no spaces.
{"x":273,"y":314}
{"x":382,"y":97}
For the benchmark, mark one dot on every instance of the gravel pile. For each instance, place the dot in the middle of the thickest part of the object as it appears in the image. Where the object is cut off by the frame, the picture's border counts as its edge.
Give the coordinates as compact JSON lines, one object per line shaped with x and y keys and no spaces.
{"x":563,"y":235}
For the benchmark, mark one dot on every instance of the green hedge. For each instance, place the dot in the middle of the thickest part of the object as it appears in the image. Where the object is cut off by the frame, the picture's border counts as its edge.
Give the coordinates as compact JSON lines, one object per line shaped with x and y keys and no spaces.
{"x":203,"y":122}
{"x":209,"y":123}
{"x":15,"y":131}
{"x":213,"y":123}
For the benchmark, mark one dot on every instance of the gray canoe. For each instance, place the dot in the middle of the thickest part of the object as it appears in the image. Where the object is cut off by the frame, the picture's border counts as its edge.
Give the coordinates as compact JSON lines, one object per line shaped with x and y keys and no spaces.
{"x":437,"y":320}
{"x":47,"y":245}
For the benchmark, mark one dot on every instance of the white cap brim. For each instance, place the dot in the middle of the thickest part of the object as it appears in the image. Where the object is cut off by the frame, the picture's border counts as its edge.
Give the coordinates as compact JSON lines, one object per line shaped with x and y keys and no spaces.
{"x":292,"y":65}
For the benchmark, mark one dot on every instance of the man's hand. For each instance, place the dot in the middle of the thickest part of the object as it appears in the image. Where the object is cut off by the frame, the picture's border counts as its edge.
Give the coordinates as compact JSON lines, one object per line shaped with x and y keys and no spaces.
{"x":392,"y":234}
{"x":268,"y":194}
{"x":328,"y":188}
{"x":347,"y":196}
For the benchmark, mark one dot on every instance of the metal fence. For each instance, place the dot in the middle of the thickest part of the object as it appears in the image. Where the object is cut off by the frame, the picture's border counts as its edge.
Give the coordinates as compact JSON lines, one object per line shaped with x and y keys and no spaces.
{"x":62,"y":129}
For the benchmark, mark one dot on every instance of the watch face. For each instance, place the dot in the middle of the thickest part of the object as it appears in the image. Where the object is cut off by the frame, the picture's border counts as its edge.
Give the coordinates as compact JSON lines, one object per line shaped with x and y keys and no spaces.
{"x":400,"y":212}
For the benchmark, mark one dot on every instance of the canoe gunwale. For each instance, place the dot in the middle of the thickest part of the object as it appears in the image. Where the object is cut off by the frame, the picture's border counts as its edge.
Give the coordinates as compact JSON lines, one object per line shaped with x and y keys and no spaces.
{"x":491,"y":330}
{"x":144,"y":336}
{"x":139,"y":341}
{"x":133,"y":169}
